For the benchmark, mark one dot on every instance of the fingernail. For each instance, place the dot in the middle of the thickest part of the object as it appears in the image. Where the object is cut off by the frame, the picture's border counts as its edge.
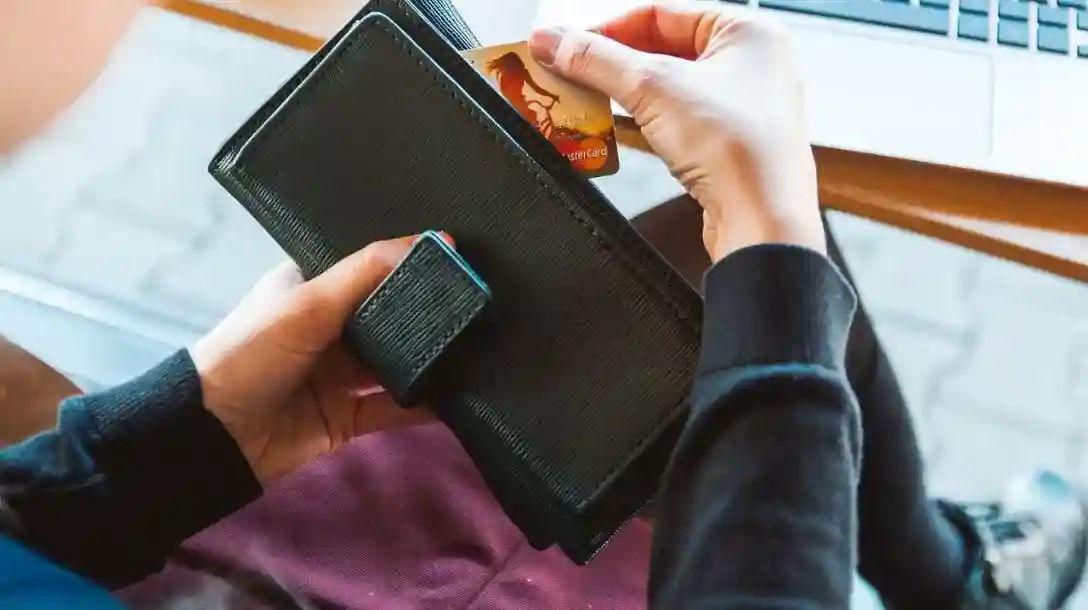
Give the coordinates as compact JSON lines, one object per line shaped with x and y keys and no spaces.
{"x":544,"y":44}
{"x":446,"y":237}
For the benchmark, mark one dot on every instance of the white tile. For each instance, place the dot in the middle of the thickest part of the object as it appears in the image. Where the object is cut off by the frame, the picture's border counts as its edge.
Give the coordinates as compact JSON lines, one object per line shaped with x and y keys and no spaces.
{"x":1004,"y":280}
{"x":849,"y":228}
{"x":45,"y":177}
{"x":38,"y":185}
{"x":109,"y":258}
{"x":919,"y":357}
{"x":218,"y":273}
{"x":980,"y":454}
{"x":115,"y":113}
{"x":1022,"y":363}
{"x":169,"y":191}
{"x":912,"y":277}
{"x":1078,"y":377}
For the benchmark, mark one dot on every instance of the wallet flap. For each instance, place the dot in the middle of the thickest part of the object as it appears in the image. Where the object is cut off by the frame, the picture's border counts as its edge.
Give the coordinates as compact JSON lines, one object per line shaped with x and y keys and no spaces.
{"x":414,"y":315}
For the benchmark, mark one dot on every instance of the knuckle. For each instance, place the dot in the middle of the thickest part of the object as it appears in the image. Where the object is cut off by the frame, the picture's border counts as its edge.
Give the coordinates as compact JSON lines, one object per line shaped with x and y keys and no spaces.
{"x":373,"y":259}
{"x":652,"y":77}
{"x":581,"y":55}
{"x":765,"y":29}
{"x":311,"y":304}
{"x":369,"y":255}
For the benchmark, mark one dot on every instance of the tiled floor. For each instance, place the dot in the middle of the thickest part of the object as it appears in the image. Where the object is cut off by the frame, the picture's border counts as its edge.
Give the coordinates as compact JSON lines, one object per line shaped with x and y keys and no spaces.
{"x":116,"y":202}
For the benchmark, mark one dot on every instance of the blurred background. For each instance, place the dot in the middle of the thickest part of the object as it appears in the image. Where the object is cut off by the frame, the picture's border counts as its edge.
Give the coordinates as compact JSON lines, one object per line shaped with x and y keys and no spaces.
{"x":993,"y":356}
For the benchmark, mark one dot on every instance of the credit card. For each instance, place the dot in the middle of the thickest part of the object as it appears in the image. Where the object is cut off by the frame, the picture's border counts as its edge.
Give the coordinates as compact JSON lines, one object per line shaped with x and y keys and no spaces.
{"x":577,"y":120}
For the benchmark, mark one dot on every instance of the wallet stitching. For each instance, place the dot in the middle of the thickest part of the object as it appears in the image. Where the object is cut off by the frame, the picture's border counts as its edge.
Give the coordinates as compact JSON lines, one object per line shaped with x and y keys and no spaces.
{"x":412,"y":14}
{"x":658,"y":425}
{"x":226,"y":162}
{"x":382,"y":295}
{"x":671,"y":412}
{"x":575,"y":213}
{"x":646,"y":264}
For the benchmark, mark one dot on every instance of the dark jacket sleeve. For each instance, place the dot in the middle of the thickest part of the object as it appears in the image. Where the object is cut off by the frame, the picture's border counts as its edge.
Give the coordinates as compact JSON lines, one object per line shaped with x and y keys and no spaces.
{"x":758,"y":506}
{"x":125,"y":477}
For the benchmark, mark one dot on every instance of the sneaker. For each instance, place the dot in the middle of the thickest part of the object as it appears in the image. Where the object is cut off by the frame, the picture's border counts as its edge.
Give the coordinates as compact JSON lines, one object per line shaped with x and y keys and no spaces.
{"x":1030,"y":548}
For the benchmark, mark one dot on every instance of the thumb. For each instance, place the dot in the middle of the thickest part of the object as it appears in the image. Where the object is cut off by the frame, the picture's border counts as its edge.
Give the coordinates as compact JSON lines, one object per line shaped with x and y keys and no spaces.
{"x":340,"y":290}
{"x":592,"y":60}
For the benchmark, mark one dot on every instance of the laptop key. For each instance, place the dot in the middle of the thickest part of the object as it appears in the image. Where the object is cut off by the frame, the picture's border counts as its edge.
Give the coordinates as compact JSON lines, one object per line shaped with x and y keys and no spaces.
{"x":1053,"y":40}
{"x":917,"y":18}
{"x":1012,"y":33}
{"x":975,"y":7}
{"x":931,"y":17}
{"x":1011,"y":9}
{"x":1053,"y":16}
{"x":973,"y":27}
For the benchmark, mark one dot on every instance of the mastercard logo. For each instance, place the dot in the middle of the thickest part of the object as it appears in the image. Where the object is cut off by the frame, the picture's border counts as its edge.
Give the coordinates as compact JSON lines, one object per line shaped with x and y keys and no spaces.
{"x":595,"y":153}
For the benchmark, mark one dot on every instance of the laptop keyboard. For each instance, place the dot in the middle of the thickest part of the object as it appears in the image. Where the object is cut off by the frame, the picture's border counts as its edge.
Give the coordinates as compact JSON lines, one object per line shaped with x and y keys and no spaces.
{"x":1047,"y":27}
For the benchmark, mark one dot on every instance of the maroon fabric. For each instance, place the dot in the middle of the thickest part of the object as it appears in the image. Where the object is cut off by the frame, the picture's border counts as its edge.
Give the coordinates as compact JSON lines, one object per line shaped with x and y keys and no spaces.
{"x":399,"y":521}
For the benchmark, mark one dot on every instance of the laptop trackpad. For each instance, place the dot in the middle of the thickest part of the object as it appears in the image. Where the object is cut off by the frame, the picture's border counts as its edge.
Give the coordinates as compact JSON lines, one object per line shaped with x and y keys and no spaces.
{"x":1038,"y":117}
{"x":895,"y":97}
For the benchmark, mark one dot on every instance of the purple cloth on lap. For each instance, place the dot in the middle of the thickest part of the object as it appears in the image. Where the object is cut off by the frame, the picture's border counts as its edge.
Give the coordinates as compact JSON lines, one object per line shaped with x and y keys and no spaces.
{"x":399,"y":520}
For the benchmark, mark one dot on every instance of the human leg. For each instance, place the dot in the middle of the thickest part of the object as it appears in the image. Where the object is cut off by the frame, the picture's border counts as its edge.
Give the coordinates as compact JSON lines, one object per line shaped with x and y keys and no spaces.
{"x":897,"y":523}
{"x":1026,"y":552}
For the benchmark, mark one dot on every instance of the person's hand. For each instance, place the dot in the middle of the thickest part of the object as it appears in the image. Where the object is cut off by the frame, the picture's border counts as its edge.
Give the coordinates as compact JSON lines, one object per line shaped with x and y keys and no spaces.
{"x":275,"y":373}
{"x":719,"y":100}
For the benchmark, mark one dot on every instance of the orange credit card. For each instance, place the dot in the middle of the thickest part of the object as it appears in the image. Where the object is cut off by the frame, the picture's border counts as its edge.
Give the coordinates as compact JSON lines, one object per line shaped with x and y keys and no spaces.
{"x":578,"y":121}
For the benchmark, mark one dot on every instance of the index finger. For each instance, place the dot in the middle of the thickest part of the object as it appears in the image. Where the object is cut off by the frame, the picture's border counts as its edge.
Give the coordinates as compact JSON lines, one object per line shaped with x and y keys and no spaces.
{"x":666,"y":30}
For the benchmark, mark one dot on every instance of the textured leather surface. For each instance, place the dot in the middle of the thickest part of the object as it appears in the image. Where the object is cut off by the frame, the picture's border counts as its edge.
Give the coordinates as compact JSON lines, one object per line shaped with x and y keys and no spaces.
{"x":404,"y":328}
{"x":570,"y":390}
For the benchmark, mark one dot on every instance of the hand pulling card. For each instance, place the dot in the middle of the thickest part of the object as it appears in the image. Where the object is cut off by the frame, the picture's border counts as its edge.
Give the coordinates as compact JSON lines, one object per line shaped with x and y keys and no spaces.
{"x":576,"y":120}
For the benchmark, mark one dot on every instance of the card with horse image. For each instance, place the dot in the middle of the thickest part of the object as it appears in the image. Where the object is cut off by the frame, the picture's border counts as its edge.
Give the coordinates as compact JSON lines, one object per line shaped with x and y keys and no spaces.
{"x":577,"y":120}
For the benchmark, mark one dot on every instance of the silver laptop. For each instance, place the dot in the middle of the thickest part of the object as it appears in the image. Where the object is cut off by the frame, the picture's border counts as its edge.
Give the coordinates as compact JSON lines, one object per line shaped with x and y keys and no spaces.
{"x":994,"y":85}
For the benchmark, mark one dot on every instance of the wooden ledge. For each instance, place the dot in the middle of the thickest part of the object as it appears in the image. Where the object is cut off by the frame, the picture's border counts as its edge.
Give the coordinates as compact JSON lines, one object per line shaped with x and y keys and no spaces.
{"x":1040,"y":224}
{"x":1035,"y":223}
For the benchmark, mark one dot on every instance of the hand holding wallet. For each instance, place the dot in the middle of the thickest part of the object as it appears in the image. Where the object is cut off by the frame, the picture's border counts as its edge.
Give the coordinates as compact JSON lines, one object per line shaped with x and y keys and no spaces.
{"x":556,"y":344}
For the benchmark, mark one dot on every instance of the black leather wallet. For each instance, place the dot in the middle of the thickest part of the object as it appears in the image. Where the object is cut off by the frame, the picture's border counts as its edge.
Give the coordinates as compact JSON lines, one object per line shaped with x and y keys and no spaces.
{"x":560,"y":350}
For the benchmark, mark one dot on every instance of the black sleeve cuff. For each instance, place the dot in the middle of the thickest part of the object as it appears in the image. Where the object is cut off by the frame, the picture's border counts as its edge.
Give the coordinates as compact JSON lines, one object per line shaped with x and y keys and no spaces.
{"x":775,"y":304}
{"x":176,"y":464}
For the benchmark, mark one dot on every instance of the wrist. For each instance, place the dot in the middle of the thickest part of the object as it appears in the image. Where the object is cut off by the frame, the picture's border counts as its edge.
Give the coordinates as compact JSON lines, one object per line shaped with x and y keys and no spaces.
{"x":250,"y":443}
{"x":740,"y":216}
{"x":729,"y":237}
{"x":217,"y":402}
